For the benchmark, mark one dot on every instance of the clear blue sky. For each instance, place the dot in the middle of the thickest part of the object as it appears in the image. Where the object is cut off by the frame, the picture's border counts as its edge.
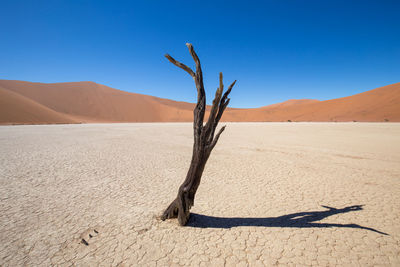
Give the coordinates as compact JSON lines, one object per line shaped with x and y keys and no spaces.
{"x":277,"y":50}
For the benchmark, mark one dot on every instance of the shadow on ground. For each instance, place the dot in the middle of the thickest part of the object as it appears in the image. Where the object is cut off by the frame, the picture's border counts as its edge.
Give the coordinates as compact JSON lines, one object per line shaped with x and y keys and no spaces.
{"x":295,"y":220}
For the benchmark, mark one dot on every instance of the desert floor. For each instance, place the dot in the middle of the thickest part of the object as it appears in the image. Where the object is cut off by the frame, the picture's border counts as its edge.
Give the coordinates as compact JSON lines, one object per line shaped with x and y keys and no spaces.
{"x":271,"y":193}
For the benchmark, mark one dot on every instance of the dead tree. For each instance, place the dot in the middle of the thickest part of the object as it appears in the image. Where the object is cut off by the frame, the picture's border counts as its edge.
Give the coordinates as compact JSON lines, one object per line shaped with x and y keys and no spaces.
{"x":204,"y":139}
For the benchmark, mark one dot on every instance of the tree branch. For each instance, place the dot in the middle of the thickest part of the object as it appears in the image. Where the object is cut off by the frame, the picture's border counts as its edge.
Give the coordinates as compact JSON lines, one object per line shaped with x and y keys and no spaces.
{"x":215,"y":105}
{"x":180,"y":65}
{"x":224,"y":102}
{"x":222,"y":106}
{"x":215,"y":140}
{"x":223,"y":99}
{"x":200,"y":108}
{"x":201,"y":95}
{"x":195,"y":58}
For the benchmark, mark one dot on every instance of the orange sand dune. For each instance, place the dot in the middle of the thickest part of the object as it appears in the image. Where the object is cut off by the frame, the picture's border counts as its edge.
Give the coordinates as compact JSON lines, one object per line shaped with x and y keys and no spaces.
{"x":17,"y":109}
{"x":380,"y":104}
{"x":92,"y":102}
{"x":290,"y":102}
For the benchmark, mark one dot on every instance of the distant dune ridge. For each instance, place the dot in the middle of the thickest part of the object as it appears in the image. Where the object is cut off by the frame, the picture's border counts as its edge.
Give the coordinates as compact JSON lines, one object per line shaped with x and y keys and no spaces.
{"x":86,"y":102}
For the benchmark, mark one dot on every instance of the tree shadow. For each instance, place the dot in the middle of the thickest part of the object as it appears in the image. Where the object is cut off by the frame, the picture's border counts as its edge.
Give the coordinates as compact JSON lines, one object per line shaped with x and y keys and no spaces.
{"x":294,"y":220}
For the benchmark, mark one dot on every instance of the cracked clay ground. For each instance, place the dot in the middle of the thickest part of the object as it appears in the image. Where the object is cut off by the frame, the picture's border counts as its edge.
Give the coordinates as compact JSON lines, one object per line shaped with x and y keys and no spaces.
{"x":320,"y":194}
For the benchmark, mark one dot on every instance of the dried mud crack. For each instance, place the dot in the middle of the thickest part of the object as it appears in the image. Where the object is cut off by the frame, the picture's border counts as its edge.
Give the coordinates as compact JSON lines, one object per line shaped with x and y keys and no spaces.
{"x":271,"y":194}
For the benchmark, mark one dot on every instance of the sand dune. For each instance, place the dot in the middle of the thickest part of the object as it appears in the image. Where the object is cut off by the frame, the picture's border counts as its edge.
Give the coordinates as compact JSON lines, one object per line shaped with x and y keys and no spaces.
{"x":17,"y":109}
{"x":380,"y":104}
{"x":92,"y":102}
{"x":290,"y":102}
{"x":375,"y":105}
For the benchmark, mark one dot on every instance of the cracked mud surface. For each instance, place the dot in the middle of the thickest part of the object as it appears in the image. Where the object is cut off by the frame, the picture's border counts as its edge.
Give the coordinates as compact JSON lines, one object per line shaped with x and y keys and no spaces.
{"x":272,"y":194}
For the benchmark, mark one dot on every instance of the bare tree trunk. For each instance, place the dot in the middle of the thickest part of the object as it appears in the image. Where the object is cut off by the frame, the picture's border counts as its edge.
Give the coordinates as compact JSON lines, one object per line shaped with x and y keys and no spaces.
{"x":204,"y":139}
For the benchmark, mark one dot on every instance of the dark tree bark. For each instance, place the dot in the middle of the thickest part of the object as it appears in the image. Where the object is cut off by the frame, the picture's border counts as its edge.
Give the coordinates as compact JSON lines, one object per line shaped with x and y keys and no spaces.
{"x":204,"y":139}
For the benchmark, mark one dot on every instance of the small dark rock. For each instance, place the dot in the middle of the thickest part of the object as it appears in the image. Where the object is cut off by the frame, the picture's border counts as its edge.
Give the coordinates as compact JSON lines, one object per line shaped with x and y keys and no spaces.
{"x":85,"y":242}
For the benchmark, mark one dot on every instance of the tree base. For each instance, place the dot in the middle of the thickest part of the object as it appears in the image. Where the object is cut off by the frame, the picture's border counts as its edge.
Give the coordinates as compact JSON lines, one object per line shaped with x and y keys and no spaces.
{"x":179,"y":208}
